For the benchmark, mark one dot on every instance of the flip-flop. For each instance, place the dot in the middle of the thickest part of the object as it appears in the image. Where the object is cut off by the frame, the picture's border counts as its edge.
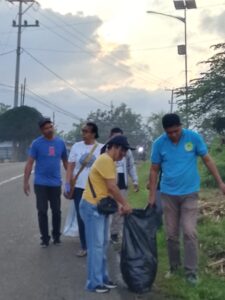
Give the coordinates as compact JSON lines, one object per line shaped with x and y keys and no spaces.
{"x":81,"y":253}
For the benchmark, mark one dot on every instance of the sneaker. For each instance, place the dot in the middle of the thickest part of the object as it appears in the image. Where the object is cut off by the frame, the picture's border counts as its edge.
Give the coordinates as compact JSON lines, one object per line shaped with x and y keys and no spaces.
{"x":81,"y":253}
{"x":192,"y":279}
{"x":110,"y":285}
{"x":171,"y":273}
{"x":57,"y":242}
{"x":44,"y":244}
{"x":114,"y":239}
{"x":101,"y":289}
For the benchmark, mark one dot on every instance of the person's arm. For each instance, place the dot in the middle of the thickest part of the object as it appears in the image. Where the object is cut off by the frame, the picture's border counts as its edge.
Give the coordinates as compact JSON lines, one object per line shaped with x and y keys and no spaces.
{"x":64,"y":157}
{"x":65,"y":163}
{"x":115,"y":192}
{"x":27,"y":172}
{"x":69,"y":171}
{"x":209,"y":163}
{"x":153,"y":181}
{"x":131,"y":169}
{"x":69,"y":174}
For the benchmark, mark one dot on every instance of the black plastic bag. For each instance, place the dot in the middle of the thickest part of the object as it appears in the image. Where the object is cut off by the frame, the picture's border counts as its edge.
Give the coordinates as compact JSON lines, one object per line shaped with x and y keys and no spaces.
{"x":139,"y":249}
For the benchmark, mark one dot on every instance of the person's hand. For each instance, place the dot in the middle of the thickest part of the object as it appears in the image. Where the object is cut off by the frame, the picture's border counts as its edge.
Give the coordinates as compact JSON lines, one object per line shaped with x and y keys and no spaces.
{"x":136,"y":187}
{"x":126,"y":209}
{"x":67,"y":188}
{"x":222,"y":187}
{"x":26,"y":189}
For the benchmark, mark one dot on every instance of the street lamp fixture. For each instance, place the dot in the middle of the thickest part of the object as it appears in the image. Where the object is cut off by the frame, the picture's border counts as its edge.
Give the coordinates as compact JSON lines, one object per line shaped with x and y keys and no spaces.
{"x":182,"y":49}
{"x":182,"y":4}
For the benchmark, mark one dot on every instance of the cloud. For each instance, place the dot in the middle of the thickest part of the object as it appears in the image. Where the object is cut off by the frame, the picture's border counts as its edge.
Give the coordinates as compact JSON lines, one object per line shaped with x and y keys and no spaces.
{"x":141,"y":101}
{"x":66,"y":44}
{"x":213,"y":24}
{"x":66,"y":63}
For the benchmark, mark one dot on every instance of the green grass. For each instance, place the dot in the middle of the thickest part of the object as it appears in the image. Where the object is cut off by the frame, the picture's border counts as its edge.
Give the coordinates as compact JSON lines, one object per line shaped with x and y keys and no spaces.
{"x":211,"y":286}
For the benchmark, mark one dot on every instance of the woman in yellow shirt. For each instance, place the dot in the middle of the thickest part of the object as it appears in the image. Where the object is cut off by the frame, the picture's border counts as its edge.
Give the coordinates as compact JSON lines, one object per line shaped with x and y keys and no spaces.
{"x":103,"y":179}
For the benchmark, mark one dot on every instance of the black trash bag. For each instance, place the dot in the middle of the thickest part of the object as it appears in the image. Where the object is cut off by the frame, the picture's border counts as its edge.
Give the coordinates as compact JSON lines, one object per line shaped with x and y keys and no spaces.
{"x":138,"y":262}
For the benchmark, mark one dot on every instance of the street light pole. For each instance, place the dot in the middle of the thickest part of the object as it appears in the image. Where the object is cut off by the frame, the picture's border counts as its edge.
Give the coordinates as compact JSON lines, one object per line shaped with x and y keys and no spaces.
{"x":184,"y":5}
{"x":186,"y":70}
{"x":182,"y":49}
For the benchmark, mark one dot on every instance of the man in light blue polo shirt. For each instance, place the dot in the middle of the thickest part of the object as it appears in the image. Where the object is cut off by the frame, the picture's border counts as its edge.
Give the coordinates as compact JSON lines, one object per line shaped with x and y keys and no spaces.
{"x":176,"y":153}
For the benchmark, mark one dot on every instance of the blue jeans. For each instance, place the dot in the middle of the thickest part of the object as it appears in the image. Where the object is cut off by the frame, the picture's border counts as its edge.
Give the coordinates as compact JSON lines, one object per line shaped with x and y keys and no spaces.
{"x":97,"y":235}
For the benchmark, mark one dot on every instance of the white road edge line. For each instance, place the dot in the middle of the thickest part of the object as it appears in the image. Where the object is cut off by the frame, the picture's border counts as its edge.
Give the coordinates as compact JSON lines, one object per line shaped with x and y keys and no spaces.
{"x":12,"y":179}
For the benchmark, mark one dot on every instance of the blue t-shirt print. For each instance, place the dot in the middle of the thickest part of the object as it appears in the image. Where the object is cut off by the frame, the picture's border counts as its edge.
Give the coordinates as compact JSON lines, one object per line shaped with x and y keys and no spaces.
{"x":48,"y":155}
{"x":51,"y":151}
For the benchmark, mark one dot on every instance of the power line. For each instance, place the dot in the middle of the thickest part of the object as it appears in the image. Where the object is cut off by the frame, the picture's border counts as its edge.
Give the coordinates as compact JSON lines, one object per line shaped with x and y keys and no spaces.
{"x":65,"y":81}
{"x":5,"y":53}
{"x":45,"y":102}
{"x":84,"y":51}
{"x":90,"y":53}
{"x":54,"y":106}
{"x":121,"y":51}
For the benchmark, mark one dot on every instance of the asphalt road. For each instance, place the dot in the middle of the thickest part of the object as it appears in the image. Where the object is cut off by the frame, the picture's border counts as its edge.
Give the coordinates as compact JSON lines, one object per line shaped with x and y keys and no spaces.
{"x":28,"y":272}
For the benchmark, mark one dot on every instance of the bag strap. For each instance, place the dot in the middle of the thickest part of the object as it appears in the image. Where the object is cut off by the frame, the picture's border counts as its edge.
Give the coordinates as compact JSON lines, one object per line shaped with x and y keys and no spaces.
{"x":91,"y":187}
{"x":86,"y":161}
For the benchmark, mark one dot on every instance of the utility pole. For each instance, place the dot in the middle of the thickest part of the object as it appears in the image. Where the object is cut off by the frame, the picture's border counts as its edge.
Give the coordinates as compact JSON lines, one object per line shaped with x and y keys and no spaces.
{"x":53,"y":118}
{"x":171,"y":101}
{"x":23,"y":91}
{"x":18,"y":50}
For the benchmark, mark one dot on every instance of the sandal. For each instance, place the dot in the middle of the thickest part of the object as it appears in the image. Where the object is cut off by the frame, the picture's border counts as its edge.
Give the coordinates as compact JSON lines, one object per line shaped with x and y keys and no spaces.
{"x":81,"y":253}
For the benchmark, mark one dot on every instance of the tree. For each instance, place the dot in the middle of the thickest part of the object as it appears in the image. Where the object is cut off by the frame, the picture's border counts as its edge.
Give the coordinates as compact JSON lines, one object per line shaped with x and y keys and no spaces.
{"x":219,"y":125}
{"x":155,"y":124}
{"x":3,"y":108}
{"x":121,"y":116}
{"x":207,"y":93}
{"x":19,"y":125}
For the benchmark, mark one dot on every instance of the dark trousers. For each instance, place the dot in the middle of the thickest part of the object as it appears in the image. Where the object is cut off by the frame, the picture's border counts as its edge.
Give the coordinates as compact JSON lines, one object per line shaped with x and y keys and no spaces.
{"x":43,"y":195}
{"x":77,"y":198}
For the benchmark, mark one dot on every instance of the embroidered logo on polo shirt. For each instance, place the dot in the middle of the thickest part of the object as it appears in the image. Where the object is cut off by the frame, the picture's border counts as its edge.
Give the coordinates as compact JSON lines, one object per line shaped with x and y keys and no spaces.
{"x":188,"y":146}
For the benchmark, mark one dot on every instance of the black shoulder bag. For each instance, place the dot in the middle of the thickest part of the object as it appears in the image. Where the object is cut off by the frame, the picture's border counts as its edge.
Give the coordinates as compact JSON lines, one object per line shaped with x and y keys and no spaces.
{"x":105,"y":206}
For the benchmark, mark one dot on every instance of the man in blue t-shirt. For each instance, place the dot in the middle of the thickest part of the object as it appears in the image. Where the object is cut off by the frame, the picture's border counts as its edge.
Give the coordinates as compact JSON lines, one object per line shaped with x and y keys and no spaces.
{"x":46,"y":151}
{"x":175,"y":153}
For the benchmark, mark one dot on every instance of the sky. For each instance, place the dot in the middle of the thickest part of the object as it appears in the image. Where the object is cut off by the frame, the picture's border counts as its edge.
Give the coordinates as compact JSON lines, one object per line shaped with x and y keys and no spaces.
{"x":87,"y":55}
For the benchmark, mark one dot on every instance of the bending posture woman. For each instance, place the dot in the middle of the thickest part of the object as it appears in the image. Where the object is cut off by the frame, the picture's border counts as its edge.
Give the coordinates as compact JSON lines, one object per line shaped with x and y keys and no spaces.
{"x":102,"y":178}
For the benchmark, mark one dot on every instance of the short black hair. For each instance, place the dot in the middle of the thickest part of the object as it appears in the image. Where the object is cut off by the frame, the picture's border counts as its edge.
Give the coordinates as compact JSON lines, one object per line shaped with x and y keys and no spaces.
{"x":116,"y":130}
{"x":43,"y":121}
{"x":94,"y":128}
{"x":170,"y":120}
